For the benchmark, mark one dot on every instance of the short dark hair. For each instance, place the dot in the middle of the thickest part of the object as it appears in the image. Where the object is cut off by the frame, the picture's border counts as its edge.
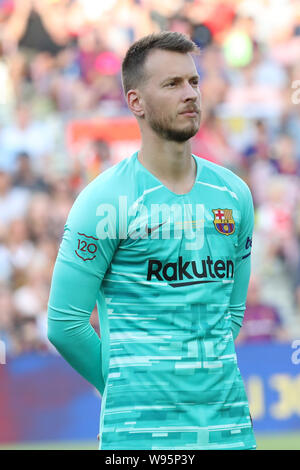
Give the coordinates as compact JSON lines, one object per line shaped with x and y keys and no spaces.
{"x":133,"y":63}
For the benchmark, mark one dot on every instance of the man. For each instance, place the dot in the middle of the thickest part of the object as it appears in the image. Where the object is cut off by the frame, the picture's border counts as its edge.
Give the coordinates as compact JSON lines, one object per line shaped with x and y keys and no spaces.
{"x":162,"y":243}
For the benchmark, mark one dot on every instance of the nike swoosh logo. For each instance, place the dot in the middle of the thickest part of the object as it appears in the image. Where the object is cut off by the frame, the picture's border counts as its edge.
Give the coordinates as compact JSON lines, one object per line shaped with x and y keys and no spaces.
{"x":149,"y":230}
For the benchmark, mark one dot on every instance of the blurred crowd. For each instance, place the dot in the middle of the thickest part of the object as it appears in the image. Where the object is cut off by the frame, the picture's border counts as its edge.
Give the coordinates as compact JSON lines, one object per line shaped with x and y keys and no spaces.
{"x":60,"y":60}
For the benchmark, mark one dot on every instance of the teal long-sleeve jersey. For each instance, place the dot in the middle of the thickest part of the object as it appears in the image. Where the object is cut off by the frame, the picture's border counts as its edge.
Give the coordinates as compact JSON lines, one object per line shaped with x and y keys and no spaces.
{"x":169,"y":274}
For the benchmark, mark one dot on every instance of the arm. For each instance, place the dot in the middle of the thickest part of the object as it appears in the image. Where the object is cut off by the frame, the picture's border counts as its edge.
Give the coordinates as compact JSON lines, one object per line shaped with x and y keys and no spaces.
{"x":243,"y":263}
{"x":76,"y":281}
{"x":14,"y":27}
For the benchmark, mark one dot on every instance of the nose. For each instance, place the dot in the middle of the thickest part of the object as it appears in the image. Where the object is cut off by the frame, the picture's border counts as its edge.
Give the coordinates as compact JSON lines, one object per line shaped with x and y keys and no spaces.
{"x":191,"y":92}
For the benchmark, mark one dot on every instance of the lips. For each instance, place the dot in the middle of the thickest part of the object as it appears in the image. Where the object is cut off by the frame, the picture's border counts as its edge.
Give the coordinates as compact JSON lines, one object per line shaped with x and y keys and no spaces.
{"x":190,"y":112}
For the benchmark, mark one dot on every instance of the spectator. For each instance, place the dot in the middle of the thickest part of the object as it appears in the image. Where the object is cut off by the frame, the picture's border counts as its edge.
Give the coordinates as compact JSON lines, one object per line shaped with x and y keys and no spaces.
{"x":13,"y":201}
{"x":38,"y":216}
{"x":60,"y":61}
{"x":20,"y":249}
{"x":30,"y":298}
{"x":24,"y":176}
{"x":284,"y":156}
{"x":7,"y":99}
{"x":98,"y":159}
{"x":24,"y":135}
{"x":7,"y":320}
{"x":261,"y":321}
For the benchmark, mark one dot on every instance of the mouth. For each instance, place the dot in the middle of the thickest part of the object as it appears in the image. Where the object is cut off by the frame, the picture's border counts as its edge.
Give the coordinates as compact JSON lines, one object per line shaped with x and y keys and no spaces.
{"x":190,"y":112}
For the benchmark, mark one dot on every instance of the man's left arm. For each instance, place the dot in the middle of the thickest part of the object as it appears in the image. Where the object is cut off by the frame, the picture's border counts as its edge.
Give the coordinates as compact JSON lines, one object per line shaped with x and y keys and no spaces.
{"x":243,"y":262}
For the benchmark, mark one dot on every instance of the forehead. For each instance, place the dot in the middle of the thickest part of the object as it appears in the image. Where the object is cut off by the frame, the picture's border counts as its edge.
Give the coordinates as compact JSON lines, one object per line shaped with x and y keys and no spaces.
{"x":161,"y":64}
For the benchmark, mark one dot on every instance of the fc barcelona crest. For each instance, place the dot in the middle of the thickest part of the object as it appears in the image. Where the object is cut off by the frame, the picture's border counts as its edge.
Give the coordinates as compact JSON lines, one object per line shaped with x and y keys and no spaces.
{"x":223,"y":221}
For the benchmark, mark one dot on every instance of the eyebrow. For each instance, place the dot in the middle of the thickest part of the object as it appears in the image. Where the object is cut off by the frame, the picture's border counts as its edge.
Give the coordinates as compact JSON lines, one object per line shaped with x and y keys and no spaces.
{"x":178,"y":78}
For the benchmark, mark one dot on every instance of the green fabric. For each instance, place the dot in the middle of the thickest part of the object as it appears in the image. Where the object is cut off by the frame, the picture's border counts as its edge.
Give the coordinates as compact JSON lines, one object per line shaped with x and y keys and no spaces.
{"x":170,"y":284}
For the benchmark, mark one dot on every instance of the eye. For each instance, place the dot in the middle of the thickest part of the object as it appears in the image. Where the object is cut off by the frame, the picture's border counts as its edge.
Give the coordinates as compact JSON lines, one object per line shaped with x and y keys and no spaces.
{"x":171,"y":84}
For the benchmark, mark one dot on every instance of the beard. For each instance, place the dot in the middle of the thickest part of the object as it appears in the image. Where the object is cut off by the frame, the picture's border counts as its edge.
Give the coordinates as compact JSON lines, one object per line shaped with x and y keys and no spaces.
{"x":164,"y":128}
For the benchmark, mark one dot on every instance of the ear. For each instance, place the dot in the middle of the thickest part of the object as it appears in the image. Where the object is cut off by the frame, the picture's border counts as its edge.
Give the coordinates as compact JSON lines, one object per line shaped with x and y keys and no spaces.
{"x":135,"y":103}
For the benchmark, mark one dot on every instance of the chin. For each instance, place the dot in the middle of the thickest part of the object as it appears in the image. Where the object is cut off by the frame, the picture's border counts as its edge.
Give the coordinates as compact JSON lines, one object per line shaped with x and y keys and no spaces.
{"x":182,"y":137}
{"x":189,"y":133}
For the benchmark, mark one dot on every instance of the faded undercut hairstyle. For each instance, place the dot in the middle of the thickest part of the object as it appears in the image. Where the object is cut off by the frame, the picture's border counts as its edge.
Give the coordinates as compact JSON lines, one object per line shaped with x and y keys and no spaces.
{"x":133,"y":64}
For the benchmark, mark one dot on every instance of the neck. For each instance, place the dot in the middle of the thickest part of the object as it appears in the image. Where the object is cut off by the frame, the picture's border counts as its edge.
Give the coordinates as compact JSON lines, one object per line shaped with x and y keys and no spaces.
{"x":171,"y":162}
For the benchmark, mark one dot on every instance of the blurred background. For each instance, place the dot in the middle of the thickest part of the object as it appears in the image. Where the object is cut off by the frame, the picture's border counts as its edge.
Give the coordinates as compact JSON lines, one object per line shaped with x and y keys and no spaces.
{"x":64,"y":120}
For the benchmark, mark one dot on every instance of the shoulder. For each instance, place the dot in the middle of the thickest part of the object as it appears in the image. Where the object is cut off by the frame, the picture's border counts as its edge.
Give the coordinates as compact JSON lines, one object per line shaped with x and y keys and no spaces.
{"x":212,"y":173}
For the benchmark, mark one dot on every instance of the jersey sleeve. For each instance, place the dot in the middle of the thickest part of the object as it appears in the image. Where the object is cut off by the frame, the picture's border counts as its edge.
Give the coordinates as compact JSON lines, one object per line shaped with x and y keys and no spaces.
{"x":243,"y":262}
{"x":83,"y":258}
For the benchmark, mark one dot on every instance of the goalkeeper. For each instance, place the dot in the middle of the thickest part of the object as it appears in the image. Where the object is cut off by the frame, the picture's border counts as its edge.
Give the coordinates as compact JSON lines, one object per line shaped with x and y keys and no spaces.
{"x":161,"y":242}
